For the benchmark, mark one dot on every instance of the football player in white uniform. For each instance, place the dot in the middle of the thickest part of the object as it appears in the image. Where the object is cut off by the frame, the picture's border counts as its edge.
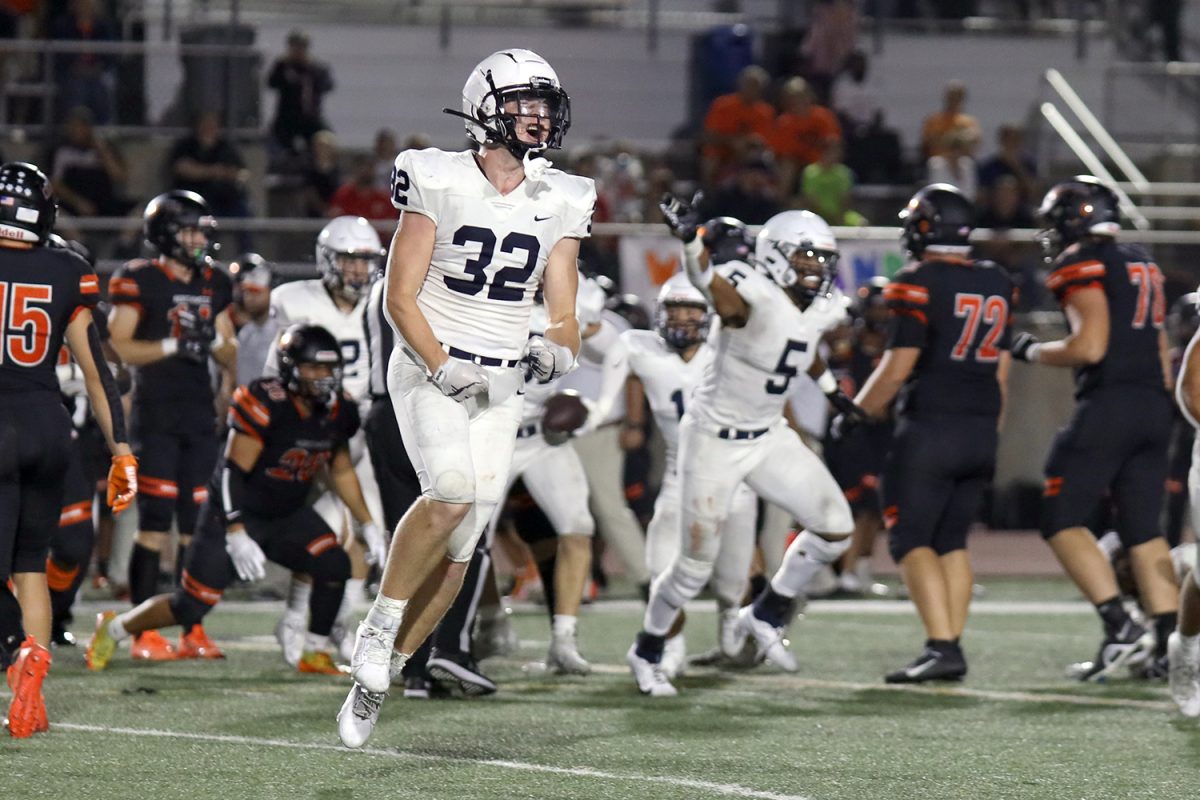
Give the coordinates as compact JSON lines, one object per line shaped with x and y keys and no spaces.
{"x":479,"y":231}
{"x":734,"y":429}
{"x":1183,"y":646}
{"x":348,"y":254}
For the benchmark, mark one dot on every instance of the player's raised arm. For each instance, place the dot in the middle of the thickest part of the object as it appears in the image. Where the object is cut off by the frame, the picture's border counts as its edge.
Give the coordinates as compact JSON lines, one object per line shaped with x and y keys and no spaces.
{"x":684,"y":220}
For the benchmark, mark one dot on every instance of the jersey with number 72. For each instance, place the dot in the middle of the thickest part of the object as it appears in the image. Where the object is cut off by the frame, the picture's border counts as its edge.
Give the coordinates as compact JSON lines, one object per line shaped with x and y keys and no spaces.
{"x":490,"y":249}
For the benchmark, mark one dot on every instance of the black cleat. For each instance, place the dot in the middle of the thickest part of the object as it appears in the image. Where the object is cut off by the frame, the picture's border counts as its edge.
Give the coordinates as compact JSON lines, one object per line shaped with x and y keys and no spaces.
{"x":61,"y":637}
{"x":1117,"y":650}
{"x":460,"y":670}
{"x":932,"y":665}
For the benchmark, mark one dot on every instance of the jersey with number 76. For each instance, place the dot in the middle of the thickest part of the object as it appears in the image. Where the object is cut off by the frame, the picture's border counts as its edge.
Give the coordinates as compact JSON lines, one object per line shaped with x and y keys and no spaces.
{"x":490,"y":249}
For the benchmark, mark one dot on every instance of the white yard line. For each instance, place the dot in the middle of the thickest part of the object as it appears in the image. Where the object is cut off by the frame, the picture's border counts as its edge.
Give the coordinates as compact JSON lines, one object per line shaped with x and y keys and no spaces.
{"x":727,"y":789}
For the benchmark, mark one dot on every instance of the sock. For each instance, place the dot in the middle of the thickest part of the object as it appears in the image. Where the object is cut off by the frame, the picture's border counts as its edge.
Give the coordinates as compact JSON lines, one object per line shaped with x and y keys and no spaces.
{"x":297,"y":597}
{"x":180,"y":562}
{"x":650,"y":647}
{"x":315,"y":642}
{"x":1113,"y":614}
{"x":1191,"y":643}
{"x":943,"y":646}
{"x":386,"y":613}
{"x":660,"y":615}
{"x":143,"y":573}
{"x":772,"y":607}
{"x":399,"y":665}
{"x":354,"y":591}
{"x":116,"y":628}
{"x":1164,"y":624}
{"x":564,"y":625}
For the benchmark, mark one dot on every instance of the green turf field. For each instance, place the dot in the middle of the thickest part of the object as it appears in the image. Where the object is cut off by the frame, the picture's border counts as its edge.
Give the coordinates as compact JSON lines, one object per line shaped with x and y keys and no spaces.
{"x":247,"y":728}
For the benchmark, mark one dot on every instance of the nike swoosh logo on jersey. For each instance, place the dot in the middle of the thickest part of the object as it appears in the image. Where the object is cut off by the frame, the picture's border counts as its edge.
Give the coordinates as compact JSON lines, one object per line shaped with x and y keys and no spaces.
{"x":540,"y":219}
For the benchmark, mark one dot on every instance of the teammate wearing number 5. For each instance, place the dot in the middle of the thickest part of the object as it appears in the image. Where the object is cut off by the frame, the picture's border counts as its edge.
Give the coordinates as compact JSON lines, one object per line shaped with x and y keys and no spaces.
{"x":479,"y":231}
{"x":948,"y":360}
{"x":1116,"y":443}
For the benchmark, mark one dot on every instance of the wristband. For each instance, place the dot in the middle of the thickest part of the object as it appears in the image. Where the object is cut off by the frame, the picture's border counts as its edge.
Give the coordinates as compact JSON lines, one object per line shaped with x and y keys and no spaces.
{"x":702,"y":277}
{"x":169,"y":346}
{"x":1031,"y":354}
{"x":827,"y":383}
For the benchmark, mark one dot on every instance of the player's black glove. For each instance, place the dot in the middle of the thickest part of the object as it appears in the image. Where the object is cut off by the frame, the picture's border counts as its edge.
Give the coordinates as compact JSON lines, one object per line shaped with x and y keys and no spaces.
{"x":849,"y":412}
{"x":1021,"y":345}
{"x":196,"y":336}
{"x":683,"y":218}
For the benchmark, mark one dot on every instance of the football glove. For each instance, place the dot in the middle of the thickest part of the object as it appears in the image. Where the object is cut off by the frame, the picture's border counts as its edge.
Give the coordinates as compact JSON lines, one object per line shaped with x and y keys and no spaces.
{"x":372,"y":536}
{"x":846,"y":407}
{"x":682,"y":217}
{"x":547,"y":360}
{"x":460,"y":380}
{"x":248,"y":558}
{"x":1022,"y":344}
{"x":196,"y":336}
{"x":841,"y":426}
{"x":122,"y":482}
{"x":70,"y":379}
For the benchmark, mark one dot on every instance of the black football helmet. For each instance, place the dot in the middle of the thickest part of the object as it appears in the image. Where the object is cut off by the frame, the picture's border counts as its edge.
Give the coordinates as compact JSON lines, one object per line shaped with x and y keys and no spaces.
{"x":1076,"y":208}
{"x":252,"y":268}
{"x":27,"y":205}
{"x":310,"y":344}
{"x":170,"y":213}
{"x":937,"y":216}
{"x":1184,"y":319}
{"x":870,"y":306}
{"x":727,"y":239}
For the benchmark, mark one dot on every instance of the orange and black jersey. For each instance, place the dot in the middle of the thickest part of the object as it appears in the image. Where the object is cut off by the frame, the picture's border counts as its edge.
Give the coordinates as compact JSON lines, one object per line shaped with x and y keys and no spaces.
{"x":150,"y":288}
{"x":297,"y":444}
{"x":41,"y":290}
{"x":957,"y":312}
{"x":1137,"y":307}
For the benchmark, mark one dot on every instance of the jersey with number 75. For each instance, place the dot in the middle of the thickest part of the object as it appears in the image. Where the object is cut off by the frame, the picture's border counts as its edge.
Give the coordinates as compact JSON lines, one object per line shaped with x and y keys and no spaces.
{"x":490,"y":249}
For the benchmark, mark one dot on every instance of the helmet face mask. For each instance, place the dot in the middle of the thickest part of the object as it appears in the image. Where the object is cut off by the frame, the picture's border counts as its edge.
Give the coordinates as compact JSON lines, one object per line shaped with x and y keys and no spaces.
{"x":349,"y":257}
{"x":513,"y":99}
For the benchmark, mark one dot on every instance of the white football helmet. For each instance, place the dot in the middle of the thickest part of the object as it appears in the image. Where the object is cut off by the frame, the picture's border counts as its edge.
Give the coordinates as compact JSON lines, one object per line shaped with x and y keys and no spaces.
{"x":679,"y":291}
{"x":799,"y":252}
{"x":351,"y":237}
{"x":589,"y":302}
{"x":526,"y":78}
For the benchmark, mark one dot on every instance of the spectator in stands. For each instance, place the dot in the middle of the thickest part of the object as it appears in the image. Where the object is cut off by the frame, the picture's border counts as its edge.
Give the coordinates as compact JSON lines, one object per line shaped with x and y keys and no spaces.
{"x":800,"y":131}
{"x":873,"y":150}
{"x":322,"y":176}
{"x":1010,"y":160}
{"x":953,"y":164}
{"x":735,"y":124}
{"x":1007,"y":208}
{"x":207,"y":163}
{"x":831,"y":37}
{"x":825,"y":187}
{"x":87,"y":172}
{"x":752,"y":195}
{"x":1165,"y":14}
{"x":384,"y":151}
{"x":935,"y":140}
{"x":360,"y":196}
{"x":84,"y":78}
{"x":302,"y":83}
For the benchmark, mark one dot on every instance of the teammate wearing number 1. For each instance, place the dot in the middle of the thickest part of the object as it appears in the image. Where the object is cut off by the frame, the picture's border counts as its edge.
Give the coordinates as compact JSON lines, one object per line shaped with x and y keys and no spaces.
{"x":734,"y":428}
{"x":1116,"y":442}
{"x":479,"y":231}
{"x":948,"y":359}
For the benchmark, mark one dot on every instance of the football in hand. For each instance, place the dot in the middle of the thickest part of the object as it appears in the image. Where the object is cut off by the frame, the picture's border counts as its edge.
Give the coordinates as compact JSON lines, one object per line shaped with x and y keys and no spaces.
{"x":564,"y":412}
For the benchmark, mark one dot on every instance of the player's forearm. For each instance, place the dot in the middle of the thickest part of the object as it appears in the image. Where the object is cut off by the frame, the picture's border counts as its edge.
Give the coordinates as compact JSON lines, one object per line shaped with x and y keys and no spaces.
{"x":1073,"y":351}
{"x":136,"y":352}
{"x":415,"y":330}
{"x":565,"y":332}
{"x":348,"y":489}
{"x":885,"y":382}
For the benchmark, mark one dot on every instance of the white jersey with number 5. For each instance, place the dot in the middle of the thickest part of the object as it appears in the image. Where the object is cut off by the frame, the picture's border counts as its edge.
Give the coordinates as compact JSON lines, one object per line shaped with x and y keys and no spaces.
{"x":669,"y":381}
{"x":752,"y":372}
{"x":309,"y":302}
{"x":490,"y":249}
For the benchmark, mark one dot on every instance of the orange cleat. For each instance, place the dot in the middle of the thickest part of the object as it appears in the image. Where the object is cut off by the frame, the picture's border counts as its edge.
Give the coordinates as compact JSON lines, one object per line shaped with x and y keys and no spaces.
{"x":27,"y":712}
{"x":196,"y":644}
{"x":318,"y":662}
{"x":151,"y":646}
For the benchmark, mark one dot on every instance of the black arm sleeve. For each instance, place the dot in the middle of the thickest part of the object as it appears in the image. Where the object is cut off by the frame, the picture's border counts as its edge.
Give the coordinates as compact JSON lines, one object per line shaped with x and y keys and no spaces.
{"x":233,"y":491}
{"x":116,"y":411}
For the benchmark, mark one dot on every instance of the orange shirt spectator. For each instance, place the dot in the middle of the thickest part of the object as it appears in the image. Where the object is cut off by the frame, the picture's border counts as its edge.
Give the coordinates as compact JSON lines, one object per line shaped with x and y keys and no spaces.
{"x":734,"y":118}
{"x":801,"y":131}
{"x":949,"y":122}
{"x":361,"y":196}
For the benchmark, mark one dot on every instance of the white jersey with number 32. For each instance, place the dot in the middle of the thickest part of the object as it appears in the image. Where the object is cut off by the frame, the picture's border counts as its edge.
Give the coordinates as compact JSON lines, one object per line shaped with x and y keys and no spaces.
{"x":309,"y":302}
{"x":490,"y":249}
{"x":751,"y":376}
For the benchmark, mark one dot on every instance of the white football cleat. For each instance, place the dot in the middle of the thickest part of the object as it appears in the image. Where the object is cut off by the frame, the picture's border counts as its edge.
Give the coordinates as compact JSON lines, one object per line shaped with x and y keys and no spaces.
{"x":564,"y":658}
{"x":769,"y":639}
{"x":356,"y":721}
{"x":495,"y":636}
{"x":289,"y":632}
{"x":372,"y":657}
{"x":729,"y":637}
{"x":674,"y":659}
{"x":1183,"y":676}
{"x":649,"y":676}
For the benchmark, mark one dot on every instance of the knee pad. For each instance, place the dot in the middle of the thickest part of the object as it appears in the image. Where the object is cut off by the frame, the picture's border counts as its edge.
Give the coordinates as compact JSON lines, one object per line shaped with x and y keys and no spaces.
{"x":452,"y":486}
{"x":332,"y":566}
{"x":821,"y":550}
{"x":685,"y":579}
{"x":154,"y":513}
{"x":581,"y":524}
{"x":71,"y":546}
